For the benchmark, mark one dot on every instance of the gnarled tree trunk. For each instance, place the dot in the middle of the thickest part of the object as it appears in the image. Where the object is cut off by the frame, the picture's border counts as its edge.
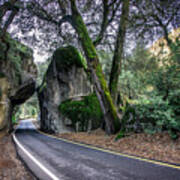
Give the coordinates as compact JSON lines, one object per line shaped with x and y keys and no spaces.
{"x":100,"y":85}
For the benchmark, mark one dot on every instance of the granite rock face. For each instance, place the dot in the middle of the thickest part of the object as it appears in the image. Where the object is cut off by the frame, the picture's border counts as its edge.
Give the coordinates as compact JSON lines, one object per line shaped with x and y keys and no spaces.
{"x":17,"y":77}
{"x":65,"y":79}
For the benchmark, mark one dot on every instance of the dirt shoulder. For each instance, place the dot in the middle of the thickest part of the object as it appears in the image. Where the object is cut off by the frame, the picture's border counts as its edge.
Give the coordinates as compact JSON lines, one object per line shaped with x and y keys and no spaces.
{"x":158,"y":146}
{"x":11,"y":168}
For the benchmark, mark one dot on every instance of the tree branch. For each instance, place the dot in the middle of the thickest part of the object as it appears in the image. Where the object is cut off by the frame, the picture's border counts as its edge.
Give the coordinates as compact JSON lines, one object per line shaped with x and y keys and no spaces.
{"x":9,"y":21}
{"x":105,"y":23}
{"x":42,"y":13}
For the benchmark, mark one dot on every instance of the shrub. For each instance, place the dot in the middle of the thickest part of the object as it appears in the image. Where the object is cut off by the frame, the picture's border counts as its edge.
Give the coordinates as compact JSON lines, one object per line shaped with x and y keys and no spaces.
{"x":14,"y":119}
{"x":153,"y":115}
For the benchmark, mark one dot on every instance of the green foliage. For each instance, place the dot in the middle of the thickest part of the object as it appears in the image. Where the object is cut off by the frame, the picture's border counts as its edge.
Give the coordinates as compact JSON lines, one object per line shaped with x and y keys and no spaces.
{"x":166,"y":79}
{"x":155,"y":111}
{"x":135,"y":73}
{"x":15,"y":53}
{"x":154,"y":92}
{"x":153,"y":114}
{"x":29,"y":109}
{"x":42,"y":68}
{"x":120,"y":135}
{"x":14,"y":121}
{"x":83,"y":111}
{"x":174,"y":102}
{"x":33,"y":112}
{"x":106,"y":61}
{"x":140,"y":61}
{"x":66,"y":57}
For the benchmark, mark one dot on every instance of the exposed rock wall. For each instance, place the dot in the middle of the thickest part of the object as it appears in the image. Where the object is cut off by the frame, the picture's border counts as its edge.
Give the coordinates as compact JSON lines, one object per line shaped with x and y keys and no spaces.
{"x":65,"y":79}
{"x":17,"y":77}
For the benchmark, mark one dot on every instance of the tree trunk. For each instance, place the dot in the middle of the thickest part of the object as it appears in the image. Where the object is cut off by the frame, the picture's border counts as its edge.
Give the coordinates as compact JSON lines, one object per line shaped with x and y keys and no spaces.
{"x":100,"y":85}
{"x":118,"y":53}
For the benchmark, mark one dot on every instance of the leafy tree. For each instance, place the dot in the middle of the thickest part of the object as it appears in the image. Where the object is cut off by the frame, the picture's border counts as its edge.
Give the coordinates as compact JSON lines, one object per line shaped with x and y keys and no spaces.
{"x":157,"y":110}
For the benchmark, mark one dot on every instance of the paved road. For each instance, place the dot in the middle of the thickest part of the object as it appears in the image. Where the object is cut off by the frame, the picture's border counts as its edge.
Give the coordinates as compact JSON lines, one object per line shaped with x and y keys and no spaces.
{"x":73,"y":162}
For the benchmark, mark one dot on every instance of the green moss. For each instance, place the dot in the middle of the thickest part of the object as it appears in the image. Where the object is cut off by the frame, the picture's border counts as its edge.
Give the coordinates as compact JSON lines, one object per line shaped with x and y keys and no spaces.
{"x":83,"y":111}
{"x":86,"y":41}
{"x":14,"y":52}
{"x":102,"y":80}
{"x":66,"y":57}
{"x":24,"y":50}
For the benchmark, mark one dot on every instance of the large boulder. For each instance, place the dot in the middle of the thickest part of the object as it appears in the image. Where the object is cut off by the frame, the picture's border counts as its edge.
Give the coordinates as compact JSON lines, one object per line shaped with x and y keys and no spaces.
{"x":65,"y":79}
{"x":17,"y":77}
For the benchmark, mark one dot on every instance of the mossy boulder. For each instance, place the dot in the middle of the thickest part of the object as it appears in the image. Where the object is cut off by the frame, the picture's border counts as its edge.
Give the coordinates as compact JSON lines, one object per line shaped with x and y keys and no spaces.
{"x":66,"y":57}
{"x":65,"y":80}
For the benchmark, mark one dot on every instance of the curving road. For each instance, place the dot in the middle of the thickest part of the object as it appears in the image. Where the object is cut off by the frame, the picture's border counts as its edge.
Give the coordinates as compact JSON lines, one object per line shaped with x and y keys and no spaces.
{"x":67,"y":161}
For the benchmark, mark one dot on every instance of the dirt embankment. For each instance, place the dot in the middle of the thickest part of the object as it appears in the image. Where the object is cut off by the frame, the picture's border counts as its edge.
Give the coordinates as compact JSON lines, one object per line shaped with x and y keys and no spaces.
{"x":11,"y":167}
{"x":158,"y":146}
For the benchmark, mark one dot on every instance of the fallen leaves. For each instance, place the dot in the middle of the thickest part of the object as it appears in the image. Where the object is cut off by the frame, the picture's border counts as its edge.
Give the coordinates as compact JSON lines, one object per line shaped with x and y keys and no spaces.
{"x":158,"y":146}
{"x":10,"y":166}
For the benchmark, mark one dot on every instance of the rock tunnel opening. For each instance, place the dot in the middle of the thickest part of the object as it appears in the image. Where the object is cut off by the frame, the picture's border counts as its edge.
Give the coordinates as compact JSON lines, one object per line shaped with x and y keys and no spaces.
{"x":27,"y":110}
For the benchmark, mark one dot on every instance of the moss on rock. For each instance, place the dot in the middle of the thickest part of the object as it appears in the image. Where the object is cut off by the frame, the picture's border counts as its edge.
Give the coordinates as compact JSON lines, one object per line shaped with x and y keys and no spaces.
{"x":66,"y":57}
{"x":14,"y":53}
{"x":83,"y":111}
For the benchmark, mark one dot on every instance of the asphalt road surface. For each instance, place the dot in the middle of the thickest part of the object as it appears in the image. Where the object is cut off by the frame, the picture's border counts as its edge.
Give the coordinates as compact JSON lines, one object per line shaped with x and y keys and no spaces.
{"x":69,"y":161}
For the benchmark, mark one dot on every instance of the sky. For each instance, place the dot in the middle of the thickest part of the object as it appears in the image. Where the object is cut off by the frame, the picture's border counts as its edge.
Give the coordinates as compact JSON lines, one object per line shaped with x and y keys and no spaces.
{"x":39,"y":57}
